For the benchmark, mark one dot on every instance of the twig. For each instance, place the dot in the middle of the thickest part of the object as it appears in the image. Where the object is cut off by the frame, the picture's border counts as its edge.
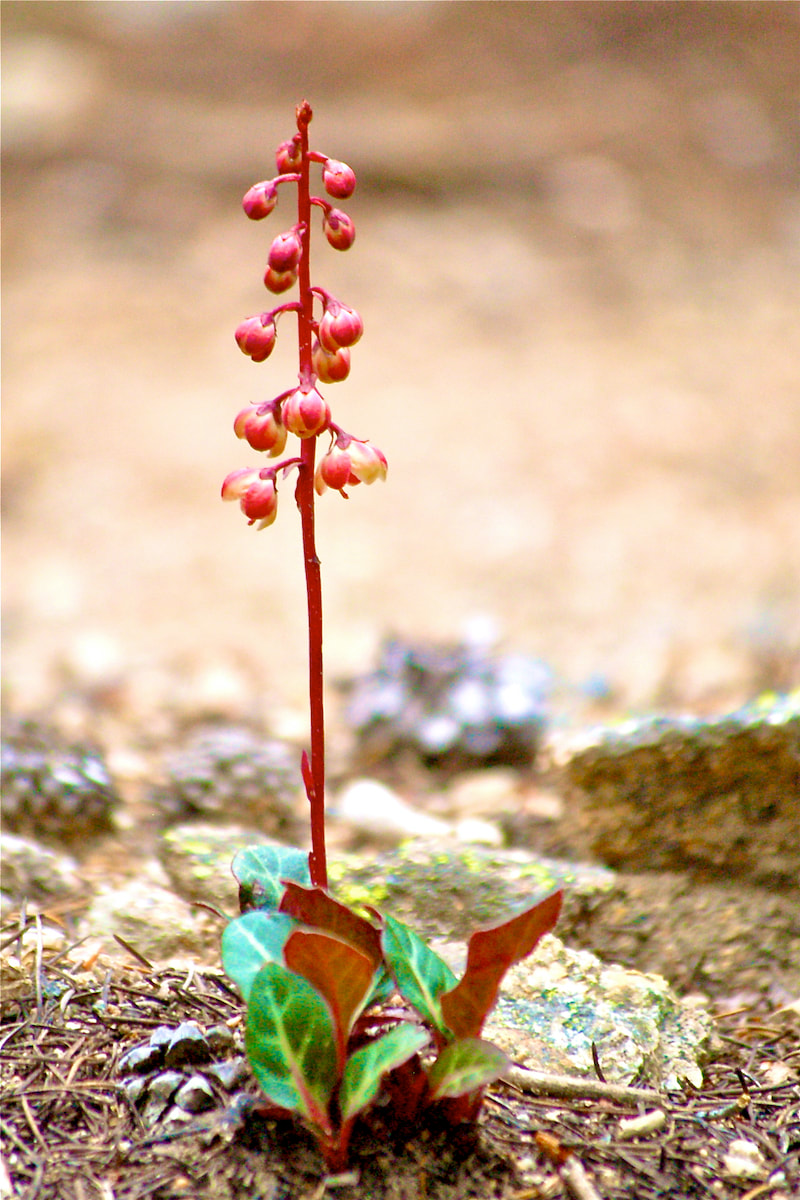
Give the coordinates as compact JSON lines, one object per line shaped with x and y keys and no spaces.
{"x":567,"y":1087}
{"x":576,"y":1181}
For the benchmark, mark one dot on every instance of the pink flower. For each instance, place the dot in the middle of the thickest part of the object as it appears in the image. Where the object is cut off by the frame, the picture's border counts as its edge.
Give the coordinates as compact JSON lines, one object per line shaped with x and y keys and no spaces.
{"x":305,"y":413}
{"x":256,"y":337}
{"x":279,"y":281}
{"x":339,"y":229}
{"x":289,"y":155}
{"x":339,"y":326}
{"x":339,"y":179}
{"x":330,"y":368}
{"x":258,"y":498}
{"x":367,"y":462}
{"x":285,"y":252}
{"x":261,"y":427}
{"x":260,"y":200}
{"x":333,"y":470}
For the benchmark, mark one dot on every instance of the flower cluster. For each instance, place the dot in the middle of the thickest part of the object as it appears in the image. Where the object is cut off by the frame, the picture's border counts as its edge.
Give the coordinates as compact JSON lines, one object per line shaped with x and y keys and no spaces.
{"x":327,"y":331}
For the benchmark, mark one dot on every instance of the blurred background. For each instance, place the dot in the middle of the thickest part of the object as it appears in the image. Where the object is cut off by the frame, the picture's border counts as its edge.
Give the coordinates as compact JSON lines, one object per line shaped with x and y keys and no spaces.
{"x":578,"y":265}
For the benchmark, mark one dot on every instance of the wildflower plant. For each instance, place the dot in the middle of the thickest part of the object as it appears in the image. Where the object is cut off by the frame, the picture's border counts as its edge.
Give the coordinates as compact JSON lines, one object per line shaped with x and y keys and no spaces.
{"x":325,"y":1032}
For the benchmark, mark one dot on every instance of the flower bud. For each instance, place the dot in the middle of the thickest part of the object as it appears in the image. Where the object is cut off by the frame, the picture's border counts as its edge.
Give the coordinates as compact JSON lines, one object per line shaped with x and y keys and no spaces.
{"x":333,"y":470}
{"x":237,"y":482}
{"x":260,"y":200}
{"x":339,"y":179}
{"x":262,"y":428}
{"x":256,"y":337}
{"x":279,"y":281}
{"x":260,"y":502}
{"x":339,"y":229}
{"x":285,"y":252}
{"x":305,"y":413}
{"x":367,"y":462}
{"x":330,"y":368}
{"x":289,"y":155}
{"x":339,"y":326}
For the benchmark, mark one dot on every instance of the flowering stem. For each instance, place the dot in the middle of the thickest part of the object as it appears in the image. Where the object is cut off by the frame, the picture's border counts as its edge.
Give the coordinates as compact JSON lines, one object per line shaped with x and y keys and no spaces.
{"x":314,"y":777}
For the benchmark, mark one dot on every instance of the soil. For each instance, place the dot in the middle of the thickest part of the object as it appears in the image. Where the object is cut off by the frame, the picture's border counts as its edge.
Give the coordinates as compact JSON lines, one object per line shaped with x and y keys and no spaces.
{"x":577,"y":261}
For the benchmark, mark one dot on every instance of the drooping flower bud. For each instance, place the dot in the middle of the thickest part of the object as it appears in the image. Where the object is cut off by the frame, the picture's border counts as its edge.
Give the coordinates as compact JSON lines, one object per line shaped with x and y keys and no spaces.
{"x":279,"y":281}
{"x":339,"y":326}
{"x":289,"y":155}
{"x":330,"y":367}
{"x":339,"y":179}
{"x":256,"y":337}
{"x":235,"y":484}
{"x":305,"y":413}
{"x":339,"y":229}
{"x":367,"y":462}
{"x":260,"y":199}
{"x":285,"y":252}
{"x":262,"y":428}
{"x":260,"y":502}
{"x":333,"y":470}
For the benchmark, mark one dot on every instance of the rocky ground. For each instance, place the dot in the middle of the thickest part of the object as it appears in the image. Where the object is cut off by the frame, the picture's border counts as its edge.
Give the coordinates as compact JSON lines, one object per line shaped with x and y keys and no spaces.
{"x":577,"y":261}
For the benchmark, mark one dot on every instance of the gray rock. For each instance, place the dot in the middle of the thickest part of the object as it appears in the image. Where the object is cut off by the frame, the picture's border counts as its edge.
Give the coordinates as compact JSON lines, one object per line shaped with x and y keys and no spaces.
{"x":559,"y":1001}
{"x":197,"y":857}
{"x":230,"y":772}
{"x":720,"y":798}
{"x":156,"y":922}
{"x":164,"y":1085}
{"x":220,"y":1039}
{"x":32,"y":872}
{"x":140,"y":1059}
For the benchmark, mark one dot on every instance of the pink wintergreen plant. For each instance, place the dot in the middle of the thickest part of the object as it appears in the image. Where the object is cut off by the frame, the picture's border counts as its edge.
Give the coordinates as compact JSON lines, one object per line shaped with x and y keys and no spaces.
{"x":317,"y":977}
{"x":324,"y":345}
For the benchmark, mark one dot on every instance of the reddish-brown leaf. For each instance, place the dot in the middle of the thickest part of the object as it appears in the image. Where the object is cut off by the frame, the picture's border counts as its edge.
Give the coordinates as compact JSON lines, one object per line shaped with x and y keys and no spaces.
{"x":337,"y":970}
{"x":491,"y":952}
{"x":316,"y":907}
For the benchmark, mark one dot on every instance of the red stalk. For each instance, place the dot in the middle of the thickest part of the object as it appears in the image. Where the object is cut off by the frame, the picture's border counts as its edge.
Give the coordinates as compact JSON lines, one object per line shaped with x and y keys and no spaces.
{"x":314,"y":777}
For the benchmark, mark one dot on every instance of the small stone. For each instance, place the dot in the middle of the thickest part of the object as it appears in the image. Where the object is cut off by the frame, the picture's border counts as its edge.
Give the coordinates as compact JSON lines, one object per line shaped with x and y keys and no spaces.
{"x":187,"y":1045}
{"x":32,"y":872}
{"x":161,"y":1037}
{"x":230,"y":1074}
{"x":375,"y":809}
{"x":743,"y":1160}
{"x":135,"y":1088}
{"x":155,"y":921}
{"x":649,"y":1122}
{"x":195,"y":1095}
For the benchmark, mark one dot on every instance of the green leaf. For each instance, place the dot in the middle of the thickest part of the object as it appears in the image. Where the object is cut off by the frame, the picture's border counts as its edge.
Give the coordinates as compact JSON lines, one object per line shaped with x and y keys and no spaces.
{"x":420,"y":974}
{"x":251,"y":940}
{"x":367,"y":1066}
{"x":338,"y":971}
{"x":261,"y":871}
{"x":464,"y":1066}
{"x":290,"y":1043}
{"x":316,"y":907}
{"x":491,"y":952}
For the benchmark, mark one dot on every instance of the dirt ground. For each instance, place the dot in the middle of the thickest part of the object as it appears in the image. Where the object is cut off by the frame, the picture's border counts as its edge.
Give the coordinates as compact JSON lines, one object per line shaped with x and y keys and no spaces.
{"x":577,"y":263}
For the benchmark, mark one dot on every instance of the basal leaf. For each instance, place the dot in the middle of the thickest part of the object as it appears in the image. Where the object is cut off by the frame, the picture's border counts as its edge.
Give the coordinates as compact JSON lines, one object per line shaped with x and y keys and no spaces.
{"x":491,"y":952}
{"x":316,"y":907}
{"x":290,"y":1043}
{"x":338,"y":971}
{"x":464,"y":1066}
{"x":251,"y":940}
{"x":366,"y":1067}
{"x":261,"y":870}
{"x":421,"y":976}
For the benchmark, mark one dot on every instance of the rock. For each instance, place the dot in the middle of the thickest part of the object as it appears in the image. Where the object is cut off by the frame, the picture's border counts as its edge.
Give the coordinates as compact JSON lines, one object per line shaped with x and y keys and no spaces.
{"x":51,"y":788}
{"x":376,"y":811}
{"x":164,"y":1085}
{"x":744,"y":1160}
{"x":230,"y":1074}
{"x":156,"y":922}
{"x":197,"y":858}
{"x":220,"y":1039}
{"x":229,"y":772}
{"x":446,"y":890}
{"x":141,"y":1060}
{"x":32,"y":872}
{"x":558,"y":1002}
{"x":451,"y":705}
{"x":718,"y":798}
